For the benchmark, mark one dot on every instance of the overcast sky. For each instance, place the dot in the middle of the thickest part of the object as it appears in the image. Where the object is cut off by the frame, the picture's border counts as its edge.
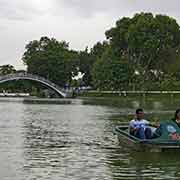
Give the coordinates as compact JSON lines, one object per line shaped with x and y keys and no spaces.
{"x":80,"y":22}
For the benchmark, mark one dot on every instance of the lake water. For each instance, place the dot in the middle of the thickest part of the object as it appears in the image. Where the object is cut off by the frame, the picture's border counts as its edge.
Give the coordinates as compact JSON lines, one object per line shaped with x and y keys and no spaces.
{"x":73,"y":139}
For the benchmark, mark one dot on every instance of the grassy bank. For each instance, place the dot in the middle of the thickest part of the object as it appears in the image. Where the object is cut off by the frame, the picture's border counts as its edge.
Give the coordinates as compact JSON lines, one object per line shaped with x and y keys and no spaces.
{"x":133,"y":94}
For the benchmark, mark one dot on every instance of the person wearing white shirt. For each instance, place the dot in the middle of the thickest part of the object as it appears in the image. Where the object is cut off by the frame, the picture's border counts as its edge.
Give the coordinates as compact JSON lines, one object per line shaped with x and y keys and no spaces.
{"x":139,"y":126}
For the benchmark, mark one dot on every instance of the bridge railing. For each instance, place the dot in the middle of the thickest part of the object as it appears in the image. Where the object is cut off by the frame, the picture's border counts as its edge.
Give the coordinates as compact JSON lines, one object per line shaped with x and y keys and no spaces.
{"x":16,"y":75}
{"x":28,"y":75}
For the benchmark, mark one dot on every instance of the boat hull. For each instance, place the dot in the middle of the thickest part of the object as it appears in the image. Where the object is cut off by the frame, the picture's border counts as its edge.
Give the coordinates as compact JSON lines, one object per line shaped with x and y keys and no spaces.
{"x":151,"y":145}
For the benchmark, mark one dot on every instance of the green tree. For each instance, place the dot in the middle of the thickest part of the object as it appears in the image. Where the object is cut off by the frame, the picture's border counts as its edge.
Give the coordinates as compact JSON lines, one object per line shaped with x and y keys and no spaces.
{"x":98,"y":49}
{"x":111,"y":73}
{"x":146,"y":41}
{"x":51,"y":59}
{"x":87,"y":60}
{"x":7,"y":69}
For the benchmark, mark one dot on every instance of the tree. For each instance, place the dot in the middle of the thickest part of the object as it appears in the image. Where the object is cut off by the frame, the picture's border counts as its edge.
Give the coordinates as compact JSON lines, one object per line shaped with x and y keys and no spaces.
{"x":111,"y":73}
{"x":51,"y":59}
{"x":98,"y":49}
{"x":87,"y":60}
{"x":7,"y":69}
{"x":146,"y":41}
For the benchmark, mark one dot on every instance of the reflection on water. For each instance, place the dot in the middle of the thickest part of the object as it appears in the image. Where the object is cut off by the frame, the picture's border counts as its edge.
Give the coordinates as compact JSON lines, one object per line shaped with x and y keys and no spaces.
{"x":129,"y":165}
{"x":74,"y":140}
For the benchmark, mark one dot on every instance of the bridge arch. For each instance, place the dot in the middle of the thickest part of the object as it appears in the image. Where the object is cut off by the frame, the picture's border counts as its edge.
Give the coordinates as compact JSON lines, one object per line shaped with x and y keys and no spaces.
{"x":28,"y":76}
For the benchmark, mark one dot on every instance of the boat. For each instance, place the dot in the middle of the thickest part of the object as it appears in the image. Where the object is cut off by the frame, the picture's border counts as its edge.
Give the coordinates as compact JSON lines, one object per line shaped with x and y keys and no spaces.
{"x":169,"y":139}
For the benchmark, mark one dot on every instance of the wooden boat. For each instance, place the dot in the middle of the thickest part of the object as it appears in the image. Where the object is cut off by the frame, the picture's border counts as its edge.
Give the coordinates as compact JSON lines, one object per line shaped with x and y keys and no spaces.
{"x":163,"y":143}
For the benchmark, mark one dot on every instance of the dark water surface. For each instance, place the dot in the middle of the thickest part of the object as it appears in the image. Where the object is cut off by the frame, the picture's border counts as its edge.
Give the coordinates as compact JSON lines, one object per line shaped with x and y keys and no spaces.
{"x":73,"y":140}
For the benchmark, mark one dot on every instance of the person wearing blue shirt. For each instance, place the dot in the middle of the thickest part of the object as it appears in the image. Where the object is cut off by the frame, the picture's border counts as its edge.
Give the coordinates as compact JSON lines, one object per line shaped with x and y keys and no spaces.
{"x":139,"y":126}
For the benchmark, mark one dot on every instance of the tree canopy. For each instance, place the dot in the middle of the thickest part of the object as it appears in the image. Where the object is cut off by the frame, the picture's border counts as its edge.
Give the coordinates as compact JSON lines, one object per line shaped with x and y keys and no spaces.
{"x":148,"y":44}
{"x":139,"y":53}
{"x":51,"y":59}
{"x":7,"y":69}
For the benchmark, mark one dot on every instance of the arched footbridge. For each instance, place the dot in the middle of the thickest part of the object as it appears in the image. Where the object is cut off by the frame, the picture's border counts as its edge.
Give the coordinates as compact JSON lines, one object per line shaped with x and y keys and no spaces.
{"x":27,"y":76}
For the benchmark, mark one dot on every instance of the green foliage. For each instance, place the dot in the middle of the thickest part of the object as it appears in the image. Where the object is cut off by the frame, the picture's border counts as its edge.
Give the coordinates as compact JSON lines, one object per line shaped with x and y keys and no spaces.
{"x":149,"y":43}
{"x":111,"y":73}
{"x":98,"y":49}
{"x":170,"y":82}
{"x":141,"y":53}
{"x":7,"y":69}
{"x":87,"y":60}
{"x":51,"y":59}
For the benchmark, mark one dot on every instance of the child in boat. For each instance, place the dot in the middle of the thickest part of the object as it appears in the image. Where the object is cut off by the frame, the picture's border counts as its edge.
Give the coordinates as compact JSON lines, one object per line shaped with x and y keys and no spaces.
{"x":139,"y":126}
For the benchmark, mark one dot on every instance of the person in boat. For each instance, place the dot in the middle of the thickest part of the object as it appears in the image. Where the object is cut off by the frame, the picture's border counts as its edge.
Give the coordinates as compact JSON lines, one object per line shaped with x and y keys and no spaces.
{"x":139,"y":126}
{"x":175,"y":120}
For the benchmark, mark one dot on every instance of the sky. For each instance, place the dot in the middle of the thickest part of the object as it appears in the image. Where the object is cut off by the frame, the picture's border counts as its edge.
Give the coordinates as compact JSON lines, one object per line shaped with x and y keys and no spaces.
{"x":81,"y":23}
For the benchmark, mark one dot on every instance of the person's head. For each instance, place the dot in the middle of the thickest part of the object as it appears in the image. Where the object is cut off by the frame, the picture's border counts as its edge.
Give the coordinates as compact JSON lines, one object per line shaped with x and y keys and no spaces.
{"x":177,"y":114}
{"x":139,"y":113}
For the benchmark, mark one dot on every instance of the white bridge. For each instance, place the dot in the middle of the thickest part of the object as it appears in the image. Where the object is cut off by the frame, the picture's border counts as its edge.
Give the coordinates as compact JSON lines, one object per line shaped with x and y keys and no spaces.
{"x":27,"y":76}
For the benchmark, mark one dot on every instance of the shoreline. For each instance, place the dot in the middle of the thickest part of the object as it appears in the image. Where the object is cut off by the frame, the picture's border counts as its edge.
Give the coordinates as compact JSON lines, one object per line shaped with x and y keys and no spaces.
{"x":143,"y":94}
